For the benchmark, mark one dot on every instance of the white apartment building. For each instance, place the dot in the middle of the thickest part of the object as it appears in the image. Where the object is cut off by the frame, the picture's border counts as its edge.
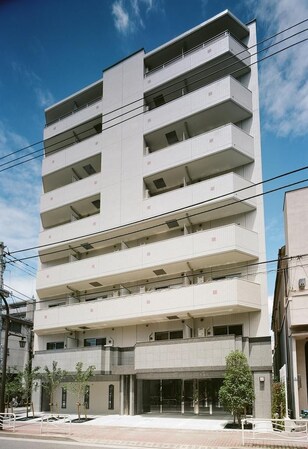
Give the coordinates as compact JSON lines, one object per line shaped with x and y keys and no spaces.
{"x":152,"y":230}
{"x":290,"y":308}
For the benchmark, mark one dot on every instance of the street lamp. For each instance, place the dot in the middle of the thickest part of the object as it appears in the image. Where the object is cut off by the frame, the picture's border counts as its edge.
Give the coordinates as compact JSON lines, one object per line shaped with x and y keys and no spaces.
{"x":4,"y":294}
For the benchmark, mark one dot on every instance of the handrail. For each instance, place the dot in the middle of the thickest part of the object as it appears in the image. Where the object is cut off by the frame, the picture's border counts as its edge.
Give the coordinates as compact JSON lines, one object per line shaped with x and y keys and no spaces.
{"x":56,"y":421}
{"x":192,"y":50}
{"x":68,"y":114}
{"x":8,"y":419}
{"x":280,"y":430}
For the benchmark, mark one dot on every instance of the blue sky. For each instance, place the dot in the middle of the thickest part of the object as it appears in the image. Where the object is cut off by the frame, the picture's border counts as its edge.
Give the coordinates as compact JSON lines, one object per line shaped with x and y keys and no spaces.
{"x":51,"y":48}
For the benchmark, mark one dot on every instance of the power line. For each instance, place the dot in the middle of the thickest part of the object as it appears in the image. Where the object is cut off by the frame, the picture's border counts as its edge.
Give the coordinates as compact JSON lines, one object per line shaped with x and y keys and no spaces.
{"x":161,"y":90}
{"x":128,"y":104}
{"x":194,"y":274}
{"x":274,"y":178}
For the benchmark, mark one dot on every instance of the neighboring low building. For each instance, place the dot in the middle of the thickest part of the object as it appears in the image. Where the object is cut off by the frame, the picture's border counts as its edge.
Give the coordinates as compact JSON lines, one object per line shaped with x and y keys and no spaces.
{"x":152,"y":228}
{"x":20,"y":335}
{"x":290,"y":308}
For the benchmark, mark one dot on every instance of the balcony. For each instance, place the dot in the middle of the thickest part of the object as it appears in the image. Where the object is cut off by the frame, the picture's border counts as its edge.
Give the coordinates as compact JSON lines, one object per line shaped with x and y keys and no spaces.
{"x":74,"y":118}
{"x":215,"y":104}
{"x":228,"y":296}
{"x":298,"y":311}
{"x":67,"y":358}
{"x":225,"y":53}
{"x":226,"y":147}
{"x":203,"y":353}
{"x":71,"y":230}
{"x":212,"y":197}
{"x":219,"y":246}
{"x":71,"y":193}
{"x":72,"y":155}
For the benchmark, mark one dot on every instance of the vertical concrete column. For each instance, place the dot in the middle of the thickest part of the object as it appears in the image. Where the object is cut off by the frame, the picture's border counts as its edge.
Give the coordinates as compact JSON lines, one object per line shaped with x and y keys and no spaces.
{"x":196,"y":396}
{"x":295,"y":378}
{"x":160,"y":396}
{"x":131,"y":395}
{"x":122,"y":395}
{"x":107,"y":365}
{"x":37,"y":395}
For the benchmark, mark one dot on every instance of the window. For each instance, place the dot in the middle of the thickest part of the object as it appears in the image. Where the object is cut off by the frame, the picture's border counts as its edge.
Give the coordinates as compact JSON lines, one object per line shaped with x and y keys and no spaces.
{"x":111,"y":397}
{"x":94,"y":341}
{"x":87,"y":397}
{"x":236,"y":329}
{"x":159,"y":100}
{"x":168,"y":335}
{"x":64,"y":397}
{"x":55,"y":345}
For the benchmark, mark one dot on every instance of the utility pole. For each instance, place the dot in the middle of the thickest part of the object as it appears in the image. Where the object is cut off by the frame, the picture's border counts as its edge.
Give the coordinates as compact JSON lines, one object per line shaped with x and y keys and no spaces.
{"x":1,"y":288}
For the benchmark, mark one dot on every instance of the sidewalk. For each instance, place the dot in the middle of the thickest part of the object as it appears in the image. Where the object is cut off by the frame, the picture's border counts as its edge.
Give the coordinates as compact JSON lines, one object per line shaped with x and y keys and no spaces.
{"x":143,"y":431}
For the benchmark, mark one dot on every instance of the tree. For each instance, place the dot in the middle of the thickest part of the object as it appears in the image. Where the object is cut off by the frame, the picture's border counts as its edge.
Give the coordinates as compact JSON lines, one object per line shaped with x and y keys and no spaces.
{"x":28,"y":376}
{"x":13,"y":387}
{"x":236,"y":393}
{"x":278,"y":401}
{"x":79,"y":384}
{"x":51,"y":379}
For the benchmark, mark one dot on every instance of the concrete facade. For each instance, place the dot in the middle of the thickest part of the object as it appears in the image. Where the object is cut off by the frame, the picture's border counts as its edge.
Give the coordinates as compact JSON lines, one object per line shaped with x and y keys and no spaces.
{"x":290,"y":310}
{"x":152,"y":227}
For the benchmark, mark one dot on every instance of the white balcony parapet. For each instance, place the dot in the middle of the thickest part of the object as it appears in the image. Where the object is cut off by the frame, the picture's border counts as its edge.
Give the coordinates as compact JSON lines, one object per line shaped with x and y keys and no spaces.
{"x":71,"y":155}
{"x":71,"y":231}
{"x":74,"y":118}
{"x":214,"y":95}
{"x":199,"y":55}
{"x":224,"y":296}
{"x":70,"y":193}
{"x":227,"y":244}
{"x":208,"y":353}
{"x":229,"y":187}
{"x":67,"y":358}
{"x":213,"y":143}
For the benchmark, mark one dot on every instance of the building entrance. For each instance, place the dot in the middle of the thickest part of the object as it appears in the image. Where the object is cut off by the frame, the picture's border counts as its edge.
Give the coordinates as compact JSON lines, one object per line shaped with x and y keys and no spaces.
{"x":191,"y":396}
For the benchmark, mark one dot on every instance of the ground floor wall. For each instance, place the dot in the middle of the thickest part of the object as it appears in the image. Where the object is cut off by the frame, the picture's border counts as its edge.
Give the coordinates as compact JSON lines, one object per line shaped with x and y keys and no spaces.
{"x":158,"y":393}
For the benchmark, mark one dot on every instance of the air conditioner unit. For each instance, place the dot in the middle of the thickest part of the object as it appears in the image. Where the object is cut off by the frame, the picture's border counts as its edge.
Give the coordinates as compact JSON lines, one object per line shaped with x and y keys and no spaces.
{"x":147,"y":150}
{"x":200,"y":280}
{"x":142,"y":289}
{"x":147,"y":194}
{"x":302,"y":284}
{"x":201,"y":332}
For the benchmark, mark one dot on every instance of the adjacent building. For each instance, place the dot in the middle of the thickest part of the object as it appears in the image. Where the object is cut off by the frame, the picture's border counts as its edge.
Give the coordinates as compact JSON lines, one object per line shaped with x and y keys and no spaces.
{"x":152,"y":228}
{"x":290,"y":309}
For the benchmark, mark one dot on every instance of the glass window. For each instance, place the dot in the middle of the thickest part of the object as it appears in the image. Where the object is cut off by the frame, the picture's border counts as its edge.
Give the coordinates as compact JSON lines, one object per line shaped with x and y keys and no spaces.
{"x":94,"y":341}
{"x":111,"y":397}
{"x":64,"y":397}
{"x":220,"y":330}
{"x":55,"y":345}
{"x":236,"y":329}
{"x":168,"y":335}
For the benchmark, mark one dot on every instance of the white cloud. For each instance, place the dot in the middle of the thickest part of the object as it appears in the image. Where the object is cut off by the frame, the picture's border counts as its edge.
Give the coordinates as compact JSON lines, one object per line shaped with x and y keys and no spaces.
{"x":129,"y":15}
{"x":43,"y":96}
{"x":283,"y":78}
{"x":121,"y":17}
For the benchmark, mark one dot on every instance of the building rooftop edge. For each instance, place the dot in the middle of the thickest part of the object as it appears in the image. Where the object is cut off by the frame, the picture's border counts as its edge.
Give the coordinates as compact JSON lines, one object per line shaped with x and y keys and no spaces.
{"x":291,"y":191}
{"x":88,"y":86}
{"x":123,"y":59}
{"x":197,"y":27}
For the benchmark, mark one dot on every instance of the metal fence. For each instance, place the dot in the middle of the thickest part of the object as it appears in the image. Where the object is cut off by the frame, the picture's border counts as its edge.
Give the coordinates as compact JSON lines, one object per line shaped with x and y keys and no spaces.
{"x":7,"y":421}
{"x":57,"y":423}
{"x":275,"y":430}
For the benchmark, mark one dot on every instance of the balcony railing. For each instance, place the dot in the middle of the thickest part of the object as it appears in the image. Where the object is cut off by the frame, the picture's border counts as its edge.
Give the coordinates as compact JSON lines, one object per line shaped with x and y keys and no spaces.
{"x":198,"y":47}
{"x":75,"y":111}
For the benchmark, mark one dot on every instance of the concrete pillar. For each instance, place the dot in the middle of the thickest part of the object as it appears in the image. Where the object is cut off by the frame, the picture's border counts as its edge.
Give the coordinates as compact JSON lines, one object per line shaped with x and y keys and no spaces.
{"x":131,"y":395}
{"x":182,"y":397}
{"x":122,"y":395}
{"x":161,"y":396}
{"x":107,"y":365}
{"x":196,"y":396}
{"x":295,"y":379}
